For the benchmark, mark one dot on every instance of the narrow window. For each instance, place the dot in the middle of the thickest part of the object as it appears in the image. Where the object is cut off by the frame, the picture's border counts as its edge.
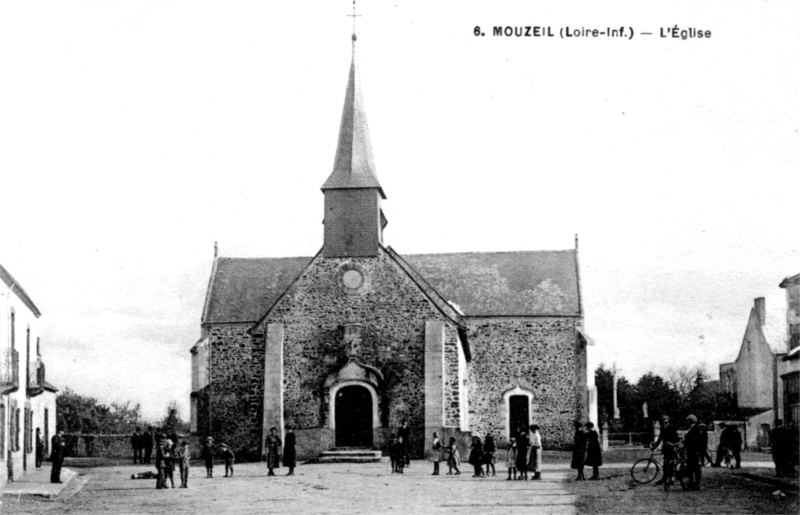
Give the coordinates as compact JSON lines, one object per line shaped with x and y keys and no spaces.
{"x":13,"y":329}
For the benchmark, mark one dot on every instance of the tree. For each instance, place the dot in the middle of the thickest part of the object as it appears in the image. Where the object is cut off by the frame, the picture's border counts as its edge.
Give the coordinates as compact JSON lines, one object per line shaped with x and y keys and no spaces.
{"x":604,"y":382}
{"x":172,"y":422}
{"x":684,"y":379}
{"x":660,"y":397}
{"x":86,"y":415}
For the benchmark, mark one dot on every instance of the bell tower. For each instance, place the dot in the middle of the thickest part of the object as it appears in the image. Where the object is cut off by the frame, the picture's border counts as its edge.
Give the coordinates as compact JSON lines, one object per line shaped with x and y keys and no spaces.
{"x":353,"y":220}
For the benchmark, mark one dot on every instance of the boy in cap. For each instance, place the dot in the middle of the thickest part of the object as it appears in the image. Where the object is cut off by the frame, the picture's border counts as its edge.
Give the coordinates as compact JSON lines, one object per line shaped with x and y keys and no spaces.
{"x":227,"y":455}
{"x":692,"y":443}
{"x":186,"y":456}
{"x":207,"y":453}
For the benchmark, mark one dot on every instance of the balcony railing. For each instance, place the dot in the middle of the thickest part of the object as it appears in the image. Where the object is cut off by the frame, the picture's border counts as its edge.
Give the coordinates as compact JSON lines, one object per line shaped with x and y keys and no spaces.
{"x":9,"y":371}
{"x":35,"y":377}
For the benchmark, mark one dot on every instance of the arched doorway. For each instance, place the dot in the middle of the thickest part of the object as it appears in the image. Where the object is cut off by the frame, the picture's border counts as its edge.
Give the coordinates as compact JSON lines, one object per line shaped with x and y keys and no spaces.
{"x":353,"y":416}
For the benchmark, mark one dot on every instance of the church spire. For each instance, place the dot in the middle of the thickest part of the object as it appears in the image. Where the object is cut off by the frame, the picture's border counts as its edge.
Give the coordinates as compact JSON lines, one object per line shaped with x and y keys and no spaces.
{"x":354,"y":220}
{"x":354,"y":166}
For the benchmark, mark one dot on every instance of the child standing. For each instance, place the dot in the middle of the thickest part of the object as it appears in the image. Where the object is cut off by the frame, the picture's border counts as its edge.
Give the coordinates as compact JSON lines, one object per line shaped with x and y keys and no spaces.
{"x":227,"y":455}
{"x":453,"y":460}
{"x":489,"y":448}
{"x":208,"y":456}
{"x":436,"y":453}
{"x":186,"y":456}
{"x":511,"y":459}
{"x":169,"y":464}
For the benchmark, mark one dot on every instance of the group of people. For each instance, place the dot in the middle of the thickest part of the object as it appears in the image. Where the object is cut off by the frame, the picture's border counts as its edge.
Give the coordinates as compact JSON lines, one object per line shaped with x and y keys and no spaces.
{"x":142,"y":444}
{"x":695,"y":445}
{"x":399,"y":454}
{"x":169,"y":455}
{"x":586,"y":450}
{"x":523,"y":454}
{"x":276,"y":451}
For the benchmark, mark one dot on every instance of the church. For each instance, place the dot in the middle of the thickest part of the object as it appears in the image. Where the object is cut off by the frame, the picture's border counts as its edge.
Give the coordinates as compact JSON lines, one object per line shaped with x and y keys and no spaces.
{"x":346,"y":345}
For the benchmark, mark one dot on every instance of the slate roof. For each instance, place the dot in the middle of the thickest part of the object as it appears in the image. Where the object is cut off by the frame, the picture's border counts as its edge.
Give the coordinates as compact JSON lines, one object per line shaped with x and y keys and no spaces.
{"x":354,"y":165}
{"x":505,"y":283}
{"x":543,"y":283}
{"x":243,"y":289}
{"x":775,"y":332}
{"x":49,"y":387}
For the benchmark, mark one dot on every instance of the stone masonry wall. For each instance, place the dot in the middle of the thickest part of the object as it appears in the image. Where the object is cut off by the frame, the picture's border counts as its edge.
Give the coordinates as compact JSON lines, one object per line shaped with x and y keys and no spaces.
{"x":236,"y":386}
{"x":452,"y":380}
{"x":392,"y":311}
{"x":538,"y":354}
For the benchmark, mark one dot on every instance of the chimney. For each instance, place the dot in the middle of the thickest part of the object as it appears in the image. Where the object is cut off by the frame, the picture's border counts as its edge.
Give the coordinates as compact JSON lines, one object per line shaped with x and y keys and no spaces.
{"x":761,"y":311}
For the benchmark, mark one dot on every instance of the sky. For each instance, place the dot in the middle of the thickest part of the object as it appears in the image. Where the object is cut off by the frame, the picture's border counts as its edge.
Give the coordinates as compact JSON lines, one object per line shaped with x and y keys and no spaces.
{"x":135,"y":134}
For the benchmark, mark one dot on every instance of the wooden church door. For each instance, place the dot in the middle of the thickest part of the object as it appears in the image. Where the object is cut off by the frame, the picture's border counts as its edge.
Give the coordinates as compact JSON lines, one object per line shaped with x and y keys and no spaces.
{"x":518,"y":416}
{"x":353,"y":417}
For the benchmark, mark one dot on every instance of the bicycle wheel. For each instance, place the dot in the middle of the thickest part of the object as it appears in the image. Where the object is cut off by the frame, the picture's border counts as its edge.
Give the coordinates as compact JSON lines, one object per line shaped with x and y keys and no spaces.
{"x":645,"y":470}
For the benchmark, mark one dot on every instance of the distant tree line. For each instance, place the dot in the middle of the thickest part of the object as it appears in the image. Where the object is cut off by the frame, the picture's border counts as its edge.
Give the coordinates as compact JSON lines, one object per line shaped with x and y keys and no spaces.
{"x":79,"y":414}
{"x":684,"y":391}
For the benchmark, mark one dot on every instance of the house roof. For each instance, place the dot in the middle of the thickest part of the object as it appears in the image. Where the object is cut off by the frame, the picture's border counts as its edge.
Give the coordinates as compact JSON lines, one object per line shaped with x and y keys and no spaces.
{"x":243,"y":289}
{"x":505,"y":283}
{"x":354,"y":165}
{"x":12,"y":283}
{"x":775,"y":332}
{"x":794,"y":279}
{"x":49,"y":387}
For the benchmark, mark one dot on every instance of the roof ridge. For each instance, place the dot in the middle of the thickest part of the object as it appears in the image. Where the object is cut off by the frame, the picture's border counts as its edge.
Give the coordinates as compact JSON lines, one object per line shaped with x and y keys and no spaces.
{"x":491,"y":252}
{"x":262,"y":258}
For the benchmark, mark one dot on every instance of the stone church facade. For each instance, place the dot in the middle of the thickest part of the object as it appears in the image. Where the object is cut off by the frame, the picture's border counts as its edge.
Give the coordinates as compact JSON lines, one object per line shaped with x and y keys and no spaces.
{"x":346,"y":345}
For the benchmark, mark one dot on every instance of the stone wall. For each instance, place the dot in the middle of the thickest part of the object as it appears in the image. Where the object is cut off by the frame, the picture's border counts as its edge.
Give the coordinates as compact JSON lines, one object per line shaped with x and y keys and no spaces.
{"x":392,"y":311}
{"x":539,"y":355}
{"x":452,"y":379}
{"x":236,"y":382}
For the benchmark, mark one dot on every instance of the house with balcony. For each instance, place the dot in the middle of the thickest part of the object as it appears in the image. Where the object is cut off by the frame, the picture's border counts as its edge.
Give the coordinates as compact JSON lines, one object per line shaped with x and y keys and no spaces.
{"x":27,"y":400}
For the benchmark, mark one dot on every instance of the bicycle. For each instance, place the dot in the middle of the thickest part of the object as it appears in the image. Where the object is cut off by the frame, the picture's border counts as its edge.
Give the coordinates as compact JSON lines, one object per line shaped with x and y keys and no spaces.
{"x":646,"y":470}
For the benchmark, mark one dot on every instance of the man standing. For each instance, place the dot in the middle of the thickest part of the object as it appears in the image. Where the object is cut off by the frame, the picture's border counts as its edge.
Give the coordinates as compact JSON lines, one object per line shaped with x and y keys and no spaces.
{"x":669,"y":436}
{"x":724,"y":443}
{"x":780,"y":449}
{"x":56,"y":456}
{"x":136,"y":443}
{"x":693,"y":442}
{"x":39,"y":448}
{"x":735,"y":443}
{"x":147,"y":444}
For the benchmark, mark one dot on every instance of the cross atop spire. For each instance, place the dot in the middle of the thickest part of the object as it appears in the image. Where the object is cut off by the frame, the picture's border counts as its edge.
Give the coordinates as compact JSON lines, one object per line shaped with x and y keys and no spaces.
{"x":354,"y":16}
{"x":354,"y":166}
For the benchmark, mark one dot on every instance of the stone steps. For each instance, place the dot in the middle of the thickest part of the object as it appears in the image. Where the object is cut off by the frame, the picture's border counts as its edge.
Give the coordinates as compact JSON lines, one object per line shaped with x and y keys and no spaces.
{"x":349,"y":456}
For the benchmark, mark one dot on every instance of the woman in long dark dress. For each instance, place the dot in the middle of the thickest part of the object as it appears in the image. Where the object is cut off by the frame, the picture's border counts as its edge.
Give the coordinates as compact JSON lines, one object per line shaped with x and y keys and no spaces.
{"x":489,"y":448}
{"x":476,"y":456}
{"x":594,"y":453}
{"x":289,"y":453}
{"x":523,"y":444}
{"x":274,"y":444}
{"x":578,"y":450}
